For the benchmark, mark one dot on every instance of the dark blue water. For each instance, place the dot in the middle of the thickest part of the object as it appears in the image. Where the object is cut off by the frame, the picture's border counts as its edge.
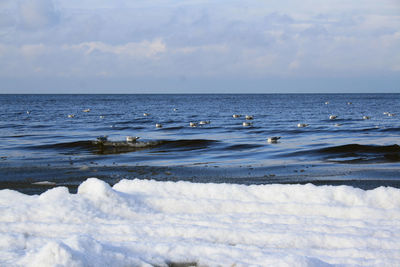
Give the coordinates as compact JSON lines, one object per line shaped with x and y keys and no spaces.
{"x":47,"y":145}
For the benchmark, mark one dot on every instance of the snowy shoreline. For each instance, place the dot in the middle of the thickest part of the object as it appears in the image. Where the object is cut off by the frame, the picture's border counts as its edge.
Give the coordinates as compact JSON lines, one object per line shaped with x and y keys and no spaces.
{"x":149,"y":223}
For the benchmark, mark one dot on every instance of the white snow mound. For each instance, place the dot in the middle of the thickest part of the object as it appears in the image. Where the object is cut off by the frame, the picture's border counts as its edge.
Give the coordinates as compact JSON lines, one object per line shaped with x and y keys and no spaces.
{"x":149,"y":223}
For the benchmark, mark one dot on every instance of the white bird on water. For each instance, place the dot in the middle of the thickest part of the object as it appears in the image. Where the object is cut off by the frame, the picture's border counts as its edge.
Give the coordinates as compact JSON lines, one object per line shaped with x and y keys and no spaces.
{"x":71,"y":116}
{"x":366,"y":117}
{"x":86,"y":110}
{"x":273,"y":139}
{"x":192,"y":124}
{"x":132,"y":139}
{"x":249,"y":117}
{"x":246,"y":123}
{"x":146,"y":114}
{"x":236,"y":116}
{"x":302,"y":125}
{"x":204,"y":122}
{"x":332,"y":117}
{"x":158,"y":125}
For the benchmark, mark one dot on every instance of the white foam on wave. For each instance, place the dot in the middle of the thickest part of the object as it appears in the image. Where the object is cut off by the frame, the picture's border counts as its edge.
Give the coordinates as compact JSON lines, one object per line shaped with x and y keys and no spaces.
{"x":147,"y":223}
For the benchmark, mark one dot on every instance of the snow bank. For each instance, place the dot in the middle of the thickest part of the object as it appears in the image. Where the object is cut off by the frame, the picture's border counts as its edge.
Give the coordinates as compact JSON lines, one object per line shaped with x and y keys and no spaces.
{"x":147,"y":223}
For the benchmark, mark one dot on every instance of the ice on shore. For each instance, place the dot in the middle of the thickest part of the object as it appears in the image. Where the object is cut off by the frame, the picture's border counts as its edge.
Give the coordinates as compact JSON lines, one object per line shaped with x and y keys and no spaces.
{"x":149,"y":223}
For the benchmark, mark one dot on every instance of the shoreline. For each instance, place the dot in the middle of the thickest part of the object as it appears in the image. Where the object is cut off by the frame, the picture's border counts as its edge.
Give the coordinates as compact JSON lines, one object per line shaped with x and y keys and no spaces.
{"x":36,"y":180}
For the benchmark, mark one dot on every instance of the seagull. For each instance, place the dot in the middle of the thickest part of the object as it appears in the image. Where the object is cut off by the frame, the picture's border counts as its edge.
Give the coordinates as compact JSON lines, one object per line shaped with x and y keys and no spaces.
{"x":86,"y":110}
{"x":391,"y":114}
{"x":28,"y":112}
{"x":327,"y":102}
{"x":132,"y":139}
{"x":273,"y":139}
{"x":246,"y":123}
{"x":71,"y":116}
{"x":366,"y":117}
{"x":301,"y":125}
{"x":249,"y":117}
{"x":146,"y":114}
{"x":158,"y":125}
{"x":101,"y":117}
{"x":192,"y":124}
{"x":204,"y":122}
{"x":332,"y":117}
{"x":236,"y":115}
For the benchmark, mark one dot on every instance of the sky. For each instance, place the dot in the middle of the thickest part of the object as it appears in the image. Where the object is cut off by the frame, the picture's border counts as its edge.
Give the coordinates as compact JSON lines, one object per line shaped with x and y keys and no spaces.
{"x":173,"y":46}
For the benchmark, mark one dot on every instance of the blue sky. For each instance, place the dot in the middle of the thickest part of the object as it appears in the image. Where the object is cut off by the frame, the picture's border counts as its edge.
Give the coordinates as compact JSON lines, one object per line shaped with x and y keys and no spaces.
{"x":165,"y":46}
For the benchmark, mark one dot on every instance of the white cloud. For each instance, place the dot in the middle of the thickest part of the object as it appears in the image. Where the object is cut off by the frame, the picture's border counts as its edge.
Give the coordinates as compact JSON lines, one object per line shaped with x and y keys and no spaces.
{"x":34,"y":14}
{"x":294,"y":65}
{"x":33,"y":51}
{"x":220,"y":48}
{"x":3,"y":49}
{"x":141,"y":49}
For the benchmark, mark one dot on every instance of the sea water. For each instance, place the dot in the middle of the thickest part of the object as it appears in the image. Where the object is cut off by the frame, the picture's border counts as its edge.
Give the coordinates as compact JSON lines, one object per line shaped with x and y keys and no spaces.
{"x":48,"y":140}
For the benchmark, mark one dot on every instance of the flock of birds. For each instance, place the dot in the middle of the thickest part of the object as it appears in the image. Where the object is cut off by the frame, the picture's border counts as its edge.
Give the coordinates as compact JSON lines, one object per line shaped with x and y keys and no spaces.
{"x":247,"y":123}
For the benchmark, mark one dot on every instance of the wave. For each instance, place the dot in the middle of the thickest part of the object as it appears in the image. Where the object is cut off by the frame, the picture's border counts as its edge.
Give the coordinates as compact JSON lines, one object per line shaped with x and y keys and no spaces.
{"x":242,"y":147}
{"x":127,"y":122}
{"x":173,"y":128}
{"x":355,"y":153}
{"x":396,"y":129}
{"x":356,"y":148}
{"x":338,"y":129}
{"x":185,"y":145}
{"x":340,"y":120}
{"x":11,"y":126}
{"x":118,"y":147}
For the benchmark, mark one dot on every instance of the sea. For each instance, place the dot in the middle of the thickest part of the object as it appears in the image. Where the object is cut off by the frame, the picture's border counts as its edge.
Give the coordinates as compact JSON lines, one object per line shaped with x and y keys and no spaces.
{"x":323,"y":139}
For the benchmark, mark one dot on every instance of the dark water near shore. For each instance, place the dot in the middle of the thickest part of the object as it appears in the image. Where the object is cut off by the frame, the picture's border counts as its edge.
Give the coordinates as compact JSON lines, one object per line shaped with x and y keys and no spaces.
{"x":47,"y":145}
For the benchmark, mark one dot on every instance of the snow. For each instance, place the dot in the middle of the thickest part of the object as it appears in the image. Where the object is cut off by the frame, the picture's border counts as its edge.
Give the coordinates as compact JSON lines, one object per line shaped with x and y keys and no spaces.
{"x":150,"y":223}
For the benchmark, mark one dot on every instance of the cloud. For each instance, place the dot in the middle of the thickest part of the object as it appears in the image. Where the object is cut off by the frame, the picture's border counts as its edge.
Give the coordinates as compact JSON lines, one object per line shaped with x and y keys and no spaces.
{"x":6,"y":20}
{"x":315,"y":31}
{"x":277,"y":18}
{"x":35,"y":14}
{"x":141,"y":49}
{"x":3,"y":50}
{"x":294,"y":65}
{"x":223,"y":48}
{"x":33,"y":51}
{"x":78,"y":38}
